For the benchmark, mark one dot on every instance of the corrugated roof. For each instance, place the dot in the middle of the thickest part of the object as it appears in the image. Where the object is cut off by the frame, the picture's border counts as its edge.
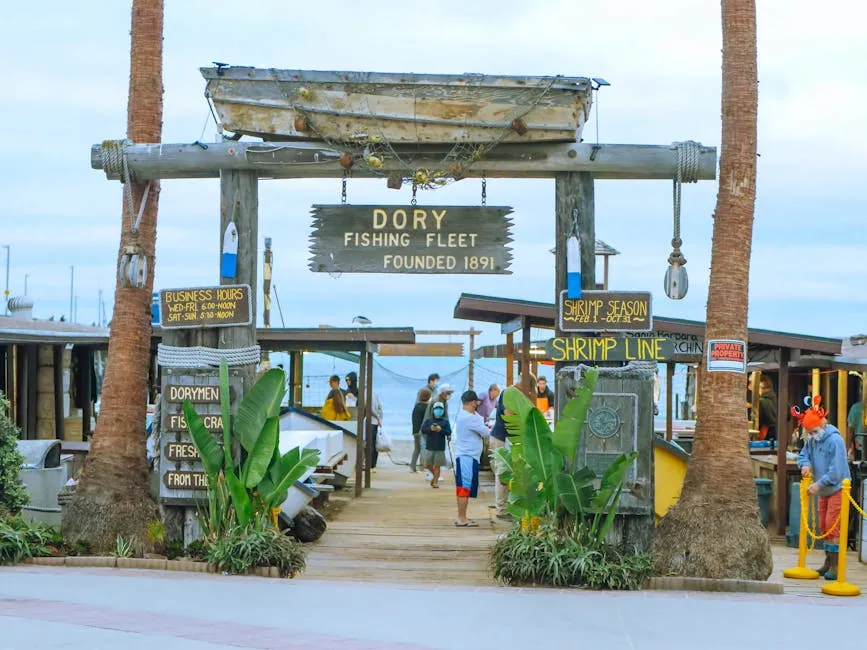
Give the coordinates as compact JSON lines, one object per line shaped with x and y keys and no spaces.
{"x":604,"y":249}
{"x":538,"y":314}
{"x":29,"y":330}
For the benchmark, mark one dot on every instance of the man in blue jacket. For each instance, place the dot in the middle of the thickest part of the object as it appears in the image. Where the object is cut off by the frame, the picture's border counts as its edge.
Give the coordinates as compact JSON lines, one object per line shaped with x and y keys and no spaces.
{"x":824,"y":456}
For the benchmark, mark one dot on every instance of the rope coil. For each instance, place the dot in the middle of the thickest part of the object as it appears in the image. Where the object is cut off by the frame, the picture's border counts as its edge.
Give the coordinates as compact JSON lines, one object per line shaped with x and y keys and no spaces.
{"x":688,"y":153}
{"x":198,"y":356}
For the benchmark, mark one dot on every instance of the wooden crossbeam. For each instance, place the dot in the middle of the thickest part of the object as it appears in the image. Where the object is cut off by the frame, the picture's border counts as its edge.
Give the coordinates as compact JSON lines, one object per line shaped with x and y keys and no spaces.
{"x":317,"y":160}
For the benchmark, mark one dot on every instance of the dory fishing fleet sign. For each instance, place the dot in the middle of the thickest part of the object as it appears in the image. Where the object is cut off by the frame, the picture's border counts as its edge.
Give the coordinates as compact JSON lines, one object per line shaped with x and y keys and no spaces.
{"x":410,"y":239}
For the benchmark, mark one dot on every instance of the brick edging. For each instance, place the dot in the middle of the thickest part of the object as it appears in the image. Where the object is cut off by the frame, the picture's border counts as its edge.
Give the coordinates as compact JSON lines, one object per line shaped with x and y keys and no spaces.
{"x":679,"y":583}
{"x":111,"y":562}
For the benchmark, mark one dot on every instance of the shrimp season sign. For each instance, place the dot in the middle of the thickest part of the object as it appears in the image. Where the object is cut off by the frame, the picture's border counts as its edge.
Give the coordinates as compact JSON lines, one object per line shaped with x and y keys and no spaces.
{"x":410,"y":239}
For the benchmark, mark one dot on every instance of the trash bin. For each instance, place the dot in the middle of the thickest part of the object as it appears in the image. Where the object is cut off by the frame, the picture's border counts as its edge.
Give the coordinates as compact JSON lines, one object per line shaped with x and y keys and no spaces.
{"x":764,"y":488}
{"x":43,"y":475}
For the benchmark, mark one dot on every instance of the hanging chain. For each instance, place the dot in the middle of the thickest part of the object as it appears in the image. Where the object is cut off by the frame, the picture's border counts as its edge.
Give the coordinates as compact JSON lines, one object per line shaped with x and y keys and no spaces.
{"x":343,"y":189}
{"x":414,"y":189}
{"x":484,"y":190}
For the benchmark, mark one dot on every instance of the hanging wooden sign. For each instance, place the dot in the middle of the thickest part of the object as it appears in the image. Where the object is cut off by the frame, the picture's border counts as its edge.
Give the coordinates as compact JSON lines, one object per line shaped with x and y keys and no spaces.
{"x":206,"y":307}
{"x":606,"y":311}
{"x":608,"y":348}
{"x":411,"y":239}
{"x":421,"y":349}
{"x":176,"y":422}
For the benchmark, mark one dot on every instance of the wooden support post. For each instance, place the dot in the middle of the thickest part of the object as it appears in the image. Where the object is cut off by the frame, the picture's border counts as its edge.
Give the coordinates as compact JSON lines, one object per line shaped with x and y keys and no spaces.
{"x":85,"y":367}
{"x":605,"y":272}
{"x":843,"y":402}
{"x":57,"y":362}
{"x":510,"y":360}
{"x":573,"y":200}
{"x":471,"y":369}
{"x":669,"y":387}
{"x":784,"y":431}
{"x":815,"y":380}
{"x":527,"y":386}
{"x":827,"y":401}
{"x":239,"y":202}
{"x":368,"y":423}
{"x":360,"y":448}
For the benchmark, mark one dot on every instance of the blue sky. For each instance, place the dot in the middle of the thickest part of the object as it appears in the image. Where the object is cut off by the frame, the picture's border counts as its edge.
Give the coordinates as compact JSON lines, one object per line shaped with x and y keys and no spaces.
{"x":66,"y":86}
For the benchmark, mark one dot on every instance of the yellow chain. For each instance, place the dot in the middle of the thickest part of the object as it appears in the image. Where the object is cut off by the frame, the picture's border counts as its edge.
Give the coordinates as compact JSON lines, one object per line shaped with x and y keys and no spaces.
{"x":855,"y":505}
{"x":805,"y":523}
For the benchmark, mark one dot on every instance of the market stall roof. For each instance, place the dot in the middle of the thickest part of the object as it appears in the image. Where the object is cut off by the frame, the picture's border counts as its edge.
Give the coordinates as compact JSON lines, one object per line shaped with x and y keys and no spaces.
{"x":45,"y":332}
{"x":505,"y":311}
{"x":853,"y":356}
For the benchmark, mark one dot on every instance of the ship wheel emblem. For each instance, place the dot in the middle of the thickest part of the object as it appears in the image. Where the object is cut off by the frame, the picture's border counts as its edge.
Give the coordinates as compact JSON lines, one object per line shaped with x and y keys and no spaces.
{"x":604,"y":422}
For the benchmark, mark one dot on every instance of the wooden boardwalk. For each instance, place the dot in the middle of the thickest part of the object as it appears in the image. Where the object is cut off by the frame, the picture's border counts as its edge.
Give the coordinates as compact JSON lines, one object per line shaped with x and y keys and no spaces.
{"x":402,"y":531}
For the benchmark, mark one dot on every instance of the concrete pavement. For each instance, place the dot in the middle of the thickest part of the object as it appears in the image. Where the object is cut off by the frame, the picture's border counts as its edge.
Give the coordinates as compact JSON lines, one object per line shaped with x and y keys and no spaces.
{"x":47,"y":607}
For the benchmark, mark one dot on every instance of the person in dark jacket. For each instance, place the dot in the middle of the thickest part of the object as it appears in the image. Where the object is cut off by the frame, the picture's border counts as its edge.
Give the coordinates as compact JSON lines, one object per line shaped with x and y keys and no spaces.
{"x":767,"y":411}
{"x":418,"y":411}
{"x":351,"y":388}
{"x":438,"y":432}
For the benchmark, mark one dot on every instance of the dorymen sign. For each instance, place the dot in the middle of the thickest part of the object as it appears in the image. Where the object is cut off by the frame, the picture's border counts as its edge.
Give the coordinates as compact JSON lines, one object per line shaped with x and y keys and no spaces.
{"x":410,"y":239}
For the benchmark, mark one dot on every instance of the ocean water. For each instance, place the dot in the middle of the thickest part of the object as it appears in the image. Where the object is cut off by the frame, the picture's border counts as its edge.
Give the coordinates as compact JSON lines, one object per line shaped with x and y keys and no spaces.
{"x":397,"y":381}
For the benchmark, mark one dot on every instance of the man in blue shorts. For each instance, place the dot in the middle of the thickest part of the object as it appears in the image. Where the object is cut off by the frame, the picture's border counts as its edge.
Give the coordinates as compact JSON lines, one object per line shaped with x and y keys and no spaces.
{"x":470,"y":431}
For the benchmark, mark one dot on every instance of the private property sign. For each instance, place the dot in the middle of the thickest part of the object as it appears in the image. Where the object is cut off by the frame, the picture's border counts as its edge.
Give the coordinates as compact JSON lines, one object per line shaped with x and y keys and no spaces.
{"x":410,"y":239}
{"x":726,"y":356}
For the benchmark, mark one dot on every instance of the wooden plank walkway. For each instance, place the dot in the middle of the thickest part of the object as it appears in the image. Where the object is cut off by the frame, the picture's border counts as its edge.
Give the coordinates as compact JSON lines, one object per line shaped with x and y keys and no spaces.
{"x":402,"y":531}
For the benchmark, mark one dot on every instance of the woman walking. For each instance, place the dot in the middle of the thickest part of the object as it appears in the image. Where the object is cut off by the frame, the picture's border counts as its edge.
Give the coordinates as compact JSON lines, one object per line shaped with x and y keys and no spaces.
{"x":418,"y":411}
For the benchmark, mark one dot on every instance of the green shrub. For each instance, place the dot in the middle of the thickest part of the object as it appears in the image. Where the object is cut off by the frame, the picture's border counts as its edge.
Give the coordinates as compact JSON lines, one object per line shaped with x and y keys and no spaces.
{"x":20,"y":539}
{"x":196,"y":550}
{"x":553,"y":557}
{"x":13,"y":495}
{"x":174,"y":549}
{"x":242,"y":549}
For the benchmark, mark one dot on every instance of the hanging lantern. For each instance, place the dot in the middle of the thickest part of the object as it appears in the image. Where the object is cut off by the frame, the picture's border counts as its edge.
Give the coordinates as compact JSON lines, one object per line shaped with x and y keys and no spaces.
{"x":133,"y":269}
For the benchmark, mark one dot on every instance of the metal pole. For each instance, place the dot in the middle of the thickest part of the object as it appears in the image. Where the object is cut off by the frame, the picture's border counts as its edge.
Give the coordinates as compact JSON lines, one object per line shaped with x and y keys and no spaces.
{"x":71,"y":292}
{"x":26,"y":275}
{"x":6,"y":292}
{"x":266,"y":284}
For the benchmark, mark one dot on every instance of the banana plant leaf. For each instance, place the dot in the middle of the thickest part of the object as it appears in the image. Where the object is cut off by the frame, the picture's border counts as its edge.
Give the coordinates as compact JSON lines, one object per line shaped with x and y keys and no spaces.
{"x":261,"y":402}
{"x":609,"y":519}
{"x":538,"y":448}
{"x":206,"y":444}
{"x":612,"y":479}
{"x":576,"y":490}
{"x":567,"y":431}
{"x":502,"y":459}
{"x":240,"y":498}
{"x":258,"y":460}
{"x":226,"y":410}
{"x":291,"y":471}
{"x":516,"y":404}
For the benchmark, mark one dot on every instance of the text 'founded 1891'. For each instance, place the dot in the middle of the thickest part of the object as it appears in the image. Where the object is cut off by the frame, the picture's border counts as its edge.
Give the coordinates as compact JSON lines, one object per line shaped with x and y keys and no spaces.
{"x":410,"y":239}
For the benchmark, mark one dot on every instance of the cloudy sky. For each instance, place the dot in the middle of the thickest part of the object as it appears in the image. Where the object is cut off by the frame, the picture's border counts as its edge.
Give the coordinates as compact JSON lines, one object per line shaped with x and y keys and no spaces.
{"x":65,"y":89}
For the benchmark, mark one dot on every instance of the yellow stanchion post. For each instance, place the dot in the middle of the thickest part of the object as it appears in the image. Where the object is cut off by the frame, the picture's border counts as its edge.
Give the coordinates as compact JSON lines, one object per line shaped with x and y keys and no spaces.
{"x":840,"y":587}
{"x":801,"y":571}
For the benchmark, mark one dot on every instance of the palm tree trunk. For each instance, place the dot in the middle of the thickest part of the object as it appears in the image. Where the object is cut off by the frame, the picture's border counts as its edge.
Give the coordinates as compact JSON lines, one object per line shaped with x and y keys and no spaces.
{"x":112,"y":497}
{"x":714,"y":530}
